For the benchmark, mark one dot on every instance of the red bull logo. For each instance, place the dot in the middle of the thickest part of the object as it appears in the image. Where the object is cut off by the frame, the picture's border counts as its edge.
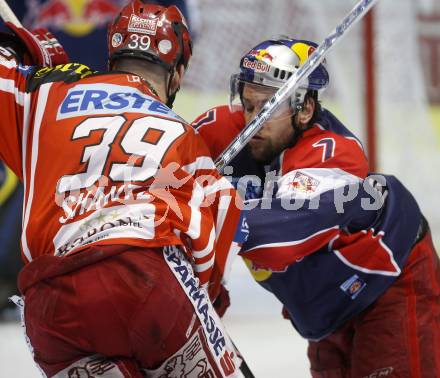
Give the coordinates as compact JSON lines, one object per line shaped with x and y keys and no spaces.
{"x":303,"y":51}
{"x":255,"y":65}
{"x":75,"y":17}
{"x":261,"y":55}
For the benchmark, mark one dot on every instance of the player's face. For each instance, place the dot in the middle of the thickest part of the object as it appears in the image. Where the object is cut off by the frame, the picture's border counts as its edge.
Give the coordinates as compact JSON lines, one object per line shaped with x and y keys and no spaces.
{"x":276,"y":133}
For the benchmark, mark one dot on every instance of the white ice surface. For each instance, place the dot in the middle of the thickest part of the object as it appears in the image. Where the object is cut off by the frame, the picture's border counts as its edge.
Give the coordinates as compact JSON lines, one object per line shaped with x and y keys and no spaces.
{"x":271,"y":346}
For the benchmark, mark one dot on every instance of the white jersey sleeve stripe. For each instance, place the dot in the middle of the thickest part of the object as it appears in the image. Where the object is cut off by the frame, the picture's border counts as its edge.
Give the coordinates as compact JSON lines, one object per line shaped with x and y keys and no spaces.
{"x":209,"y":247}
{"x":41,"y":106}
{"x":199,"y":268}
{"x":197,"y":198}
{"x":223,"y":207}
{"x":8,"y":63}
{"x":293,"y":242}
{"x":221,"y":184}
{"x":8,"y":86}
{"x":202,"y":162}
{"x":26,"y":122}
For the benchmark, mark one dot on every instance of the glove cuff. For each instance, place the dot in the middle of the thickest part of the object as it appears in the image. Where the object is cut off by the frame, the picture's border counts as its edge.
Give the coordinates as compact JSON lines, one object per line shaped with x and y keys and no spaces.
{"x":42,"y":46}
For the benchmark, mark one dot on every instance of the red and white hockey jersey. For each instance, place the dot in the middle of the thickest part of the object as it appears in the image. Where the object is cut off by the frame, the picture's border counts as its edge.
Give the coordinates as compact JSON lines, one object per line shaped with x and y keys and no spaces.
{"x":104,"y":162}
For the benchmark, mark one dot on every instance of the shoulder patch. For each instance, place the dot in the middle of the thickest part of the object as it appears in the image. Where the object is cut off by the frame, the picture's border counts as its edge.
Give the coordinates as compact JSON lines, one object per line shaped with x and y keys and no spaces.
{"x":67,"y":73}
{"x":205,"y":119}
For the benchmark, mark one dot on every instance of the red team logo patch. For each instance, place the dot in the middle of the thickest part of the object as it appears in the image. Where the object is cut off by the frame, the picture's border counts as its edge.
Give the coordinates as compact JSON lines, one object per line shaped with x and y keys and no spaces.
{"x":304,"y":183}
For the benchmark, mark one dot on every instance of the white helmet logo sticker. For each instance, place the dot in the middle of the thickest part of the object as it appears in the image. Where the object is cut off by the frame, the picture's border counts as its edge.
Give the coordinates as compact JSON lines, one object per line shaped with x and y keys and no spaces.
{"x":165,"y":46}
{"x":256,"y":65}
{"x":116,"y":39}
{"x":139,"y":42}
{"x":142,"y":25}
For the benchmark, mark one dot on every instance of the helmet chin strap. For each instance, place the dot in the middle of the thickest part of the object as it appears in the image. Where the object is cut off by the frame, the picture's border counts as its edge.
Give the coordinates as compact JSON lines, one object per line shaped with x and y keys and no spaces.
{"x":171,"y":96}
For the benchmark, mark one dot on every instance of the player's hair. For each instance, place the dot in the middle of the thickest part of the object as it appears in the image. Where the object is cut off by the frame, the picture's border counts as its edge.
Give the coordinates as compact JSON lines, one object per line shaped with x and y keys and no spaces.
{"x":312,"y":94}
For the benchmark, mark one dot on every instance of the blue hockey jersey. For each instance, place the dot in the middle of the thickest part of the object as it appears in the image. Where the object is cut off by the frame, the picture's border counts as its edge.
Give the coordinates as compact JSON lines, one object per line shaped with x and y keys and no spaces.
{"x":328,"y":239}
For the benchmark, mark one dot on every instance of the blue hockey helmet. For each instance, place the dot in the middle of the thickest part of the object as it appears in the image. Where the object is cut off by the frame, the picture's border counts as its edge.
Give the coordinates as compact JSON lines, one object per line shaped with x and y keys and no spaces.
{"x":271,"y":63}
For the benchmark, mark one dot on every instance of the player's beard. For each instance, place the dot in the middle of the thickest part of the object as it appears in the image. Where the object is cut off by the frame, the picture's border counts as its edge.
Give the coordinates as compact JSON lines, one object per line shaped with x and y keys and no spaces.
{"x":263,"y":150}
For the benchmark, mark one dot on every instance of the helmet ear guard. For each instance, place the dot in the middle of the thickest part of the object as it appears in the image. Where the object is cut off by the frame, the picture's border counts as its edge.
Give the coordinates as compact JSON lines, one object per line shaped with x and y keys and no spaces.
{"x":297,"y":99}
{"x":235,"y":93}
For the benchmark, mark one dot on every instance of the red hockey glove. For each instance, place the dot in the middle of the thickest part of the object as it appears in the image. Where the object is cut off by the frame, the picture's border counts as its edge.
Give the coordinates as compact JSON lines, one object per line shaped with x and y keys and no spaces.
{"x":222,"y":302}
{"x":41,"y":47}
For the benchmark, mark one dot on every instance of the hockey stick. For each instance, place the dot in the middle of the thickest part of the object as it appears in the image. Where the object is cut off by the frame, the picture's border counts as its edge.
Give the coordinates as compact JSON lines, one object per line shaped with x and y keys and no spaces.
{"x":8,"y":15}
{"x":244,"y":367}
{"x":293,"y":83}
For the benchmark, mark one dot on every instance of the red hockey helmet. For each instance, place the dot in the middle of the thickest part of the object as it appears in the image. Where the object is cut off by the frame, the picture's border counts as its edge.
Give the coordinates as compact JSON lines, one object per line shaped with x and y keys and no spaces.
{"x":152,"y":32}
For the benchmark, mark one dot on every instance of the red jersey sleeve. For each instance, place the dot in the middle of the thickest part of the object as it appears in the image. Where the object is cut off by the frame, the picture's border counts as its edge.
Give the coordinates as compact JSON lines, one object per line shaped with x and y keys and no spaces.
{"x":218,"y":127}
{"x":319,"y":148}
{"x":216,"y":199}
{"x":15,"y":104}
